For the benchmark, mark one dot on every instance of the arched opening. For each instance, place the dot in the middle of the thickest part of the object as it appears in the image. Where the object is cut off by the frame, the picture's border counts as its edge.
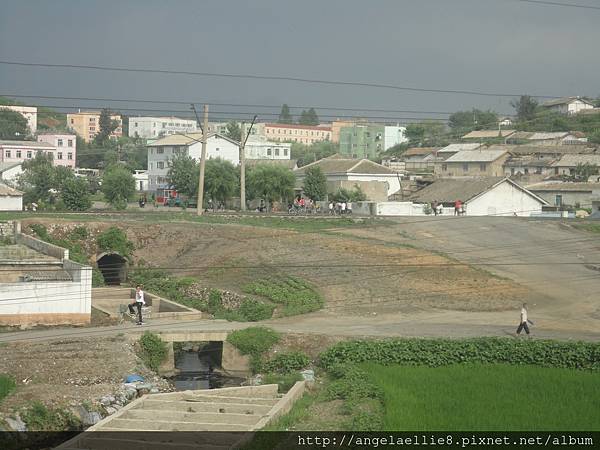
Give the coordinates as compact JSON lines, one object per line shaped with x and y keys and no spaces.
{"x":112,"y":266}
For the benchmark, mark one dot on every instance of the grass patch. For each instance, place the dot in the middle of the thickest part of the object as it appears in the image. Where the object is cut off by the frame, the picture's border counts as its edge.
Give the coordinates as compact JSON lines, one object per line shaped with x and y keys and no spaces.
{"x":39,"y":417}
{"x":152,"y":350}
{"x":254,"y":342}
{"x":487,"y":397}
{"x":7,"y":385}
{"x":591,"y":227}
{"x":284,"y":381}
{"x":295,"y":295}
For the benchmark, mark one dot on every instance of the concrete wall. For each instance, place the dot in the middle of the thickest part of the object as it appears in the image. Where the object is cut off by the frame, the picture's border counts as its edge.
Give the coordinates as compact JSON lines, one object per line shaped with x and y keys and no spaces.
{"x":506,"y":200}
{"x":42,"y":247}
{"x":570,"y":198}
{"x":11,"y":203}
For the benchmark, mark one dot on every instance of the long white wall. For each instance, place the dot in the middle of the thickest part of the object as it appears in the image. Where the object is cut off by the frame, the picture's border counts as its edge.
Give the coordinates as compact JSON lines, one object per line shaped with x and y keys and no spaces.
{"x":504,"y":200}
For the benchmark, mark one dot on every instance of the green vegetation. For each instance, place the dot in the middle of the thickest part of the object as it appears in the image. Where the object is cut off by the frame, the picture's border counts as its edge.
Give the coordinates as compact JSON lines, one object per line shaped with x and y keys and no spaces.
{"x":486,"y":397}
{"x":254,"y":342}
{"x":152,"y":351}
{"x":284,"y":381}
{"x":115,"y":240}
{"x":13,"y":126}
{"x":442,"y":352}
{"x":270,"y":183}
{"x":315,"y":183}
{"x":305,"y":154}
{"x":7,"y":385}
{"x":591,"y":227}
{"x":39,"y":417}
{"x":346,"y":195}
{"x":118,"y":185}
{"x":286,"y":363}
{"x":296,"y":296}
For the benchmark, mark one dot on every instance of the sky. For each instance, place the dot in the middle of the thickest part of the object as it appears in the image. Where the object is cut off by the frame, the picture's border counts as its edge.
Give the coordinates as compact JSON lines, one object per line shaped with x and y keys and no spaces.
{"x":498,"y":46}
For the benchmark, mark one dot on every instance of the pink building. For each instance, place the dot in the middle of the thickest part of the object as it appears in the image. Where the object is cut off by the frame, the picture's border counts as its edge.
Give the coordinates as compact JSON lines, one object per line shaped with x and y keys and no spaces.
{"x":66,"y":148}
{"x":19,"y":151}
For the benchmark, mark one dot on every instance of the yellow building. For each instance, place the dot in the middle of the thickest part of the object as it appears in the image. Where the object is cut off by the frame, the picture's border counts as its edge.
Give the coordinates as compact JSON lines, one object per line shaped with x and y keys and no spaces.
{"x":87,"y":124}
{"x":305,"y":134}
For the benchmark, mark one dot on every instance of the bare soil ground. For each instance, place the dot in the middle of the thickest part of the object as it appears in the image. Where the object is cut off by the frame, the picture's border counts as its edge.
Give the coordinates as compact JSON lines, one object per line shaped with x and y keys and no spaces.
{"x":69,"y":371}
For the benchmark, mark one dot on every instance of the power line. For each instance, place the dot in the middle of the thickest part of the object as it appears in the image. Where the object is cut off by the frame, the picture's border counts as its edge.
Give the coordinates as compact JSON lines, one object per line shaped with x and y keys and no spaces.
{"x":267,"y":77}
{"x":568,"y":5}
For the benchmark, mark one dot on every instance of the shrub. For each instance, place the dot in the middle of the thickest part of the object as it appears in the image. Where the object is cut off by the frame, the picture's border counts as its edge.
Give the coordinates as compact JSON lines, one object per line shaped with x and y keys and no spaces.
{"x":115,"y":240}
{"x":215,"y":302}
{"x":118,"y":185}
{"x":440,"y":352}
{"x":296,"y":296}
{"x":153,"y":350}
{"x":75,"y":195}
{"x":79,"y":233}
{"x":287,"y":362}
{"x":284,"y":381}
{"x":40,"y":231}
{"x":7,"y":385}
{"x":253,"y":310}
{"x":38,"y":417}
{"x":351,"y":383}
{"x":254,"y":341}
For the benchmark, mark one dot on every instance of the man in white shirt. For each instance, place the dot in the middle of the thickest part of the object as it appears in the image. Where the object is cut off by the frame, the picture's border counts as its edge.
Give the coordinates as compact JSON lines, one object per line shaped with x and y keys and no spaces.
{"x":138,"y":302}
{"x":523,"y":324}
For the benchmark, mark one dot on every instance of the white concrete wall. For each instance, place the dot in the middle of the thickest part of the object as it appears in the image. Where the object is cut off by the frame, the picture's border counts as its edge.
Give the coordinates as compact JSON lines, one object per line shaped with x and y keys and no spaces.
{"x":8,"y":203}
{"x":393,"y":135}
{"x":506,"y":200}
{"x":152,"y":127}
{"x":392,"y":181}
{"x":12,"y":174}
{"x":261,"y":150}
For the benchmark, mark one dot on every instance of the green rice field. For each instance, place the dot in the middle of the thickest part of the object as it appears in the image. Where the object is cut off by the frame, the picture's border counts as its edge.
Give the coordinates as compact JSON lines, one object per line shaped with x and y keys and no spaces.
{"x":488,"y":397}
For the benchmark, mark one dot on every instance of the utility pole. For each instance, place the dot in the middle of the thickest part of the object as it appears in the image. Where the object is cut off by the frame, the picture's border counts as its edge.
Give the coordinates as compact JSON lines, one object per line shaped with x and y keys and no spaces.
{"x":203,"y":162}
{"x":243,"y":139}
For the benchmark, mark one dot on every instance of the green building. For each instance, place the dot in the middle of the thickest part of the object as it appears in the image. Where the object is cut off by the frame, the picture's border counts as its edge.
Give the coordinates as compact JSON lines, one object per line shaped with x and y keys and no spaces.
{"x":362,"y":141}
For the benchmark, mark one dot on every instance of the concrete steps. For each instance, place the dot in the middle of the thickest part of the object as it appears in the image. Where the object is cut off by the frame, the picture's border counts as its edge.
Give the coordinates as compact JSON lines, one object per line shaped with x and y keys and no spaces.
{"x":172,"y":425}
{"x":113,"y":439}
{"x":208,"y":407}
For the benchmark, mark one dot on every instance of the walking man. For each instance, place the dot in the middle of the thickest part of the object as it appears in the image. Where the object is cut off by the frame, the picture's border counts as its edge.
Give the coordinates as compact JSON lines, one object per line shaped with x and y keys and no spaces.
{"x":138,"y":302}
{"x":523,"y":324}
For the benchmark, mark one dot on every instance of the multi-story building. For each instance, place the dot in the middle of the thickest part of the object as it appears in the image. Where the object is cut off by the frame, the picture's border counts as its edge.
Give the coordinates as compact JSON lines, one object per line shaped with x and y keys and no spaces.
{"x":568,"y":105}
{"x":337,"y":125}
{"x":362,"y":140}
{"x":153,"y":127}
{"x":29,"y":112}
{"x":304,"y":134}
{"x":162,"y":151}
{"x":19,"y":151}
{"x":487,"y":162}
{"x":87,"y":124}
{"x":393,"y":135}
{"x":66,"y":147}
{"x":260,"y":148}
{"x":258,"y":129}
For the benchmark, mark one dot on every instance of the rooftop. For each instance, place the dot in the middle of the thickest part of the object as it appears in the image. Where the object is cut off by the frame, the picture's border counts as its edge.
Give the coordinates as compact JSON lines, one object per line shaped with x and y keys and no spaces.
{"x":304,"y":127}
{"x":487,"y":155}
{"x":7,"y":191}
{"x":487,"y":134}
{"x":35,"y":144}
{"x":550,"y":149}
{"x":542,"y":136}
{"x":559,"y":186}
{"x":337,"y":163}
{"x":187,"y":139}
{"x":416,"y":151}
{"x":9,"y":165}
{"x":564,"y":101}
{"x":574,"y":160}
{"x":453,"y":148}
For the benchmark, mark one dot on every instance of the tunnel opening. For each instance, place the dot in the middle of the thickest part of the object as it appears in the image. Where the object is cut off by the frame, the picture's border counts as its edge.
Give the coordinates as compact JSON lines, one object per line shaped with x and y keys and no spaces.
{"x":112,"y":266}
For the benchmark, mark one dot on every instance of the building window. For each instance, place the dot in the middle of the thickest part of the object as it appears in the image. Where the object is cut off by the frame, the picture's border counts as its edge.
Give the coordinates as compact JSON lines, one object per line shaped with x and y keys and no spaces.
{"x":444,"y":167}
{"x":276,"y":152}
{"x":72,"y":121}
{"x":92,"y":119}
{"x":465,"y":167}
{"x":7,"y":154}
{"x":18,"y":153}
{"x":60,"y":143}
{"x":160,"y":151}
{"x":268,"y":152}
{"x":285,"y":152}
{"x":151,"y":166}
{"x":59,"y":155}
{"x":526,"y":171}
{"x":482,"y":167}
{"x":70,"y":143}
{"x":160,"y":165}
{"x":136,"y":124}
{"x":70,"y":156}
{"x":28,"y":154}
{"x":558,"y":200}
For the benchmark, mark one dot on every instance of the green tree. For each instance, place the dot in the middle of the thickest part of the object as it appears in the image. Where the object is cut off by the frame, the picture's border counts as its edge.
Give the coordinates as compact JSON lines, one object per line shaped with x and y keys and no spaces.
{"x":13,"y":126}
{"x":315,"y":183}
{"x":525,"y":107}
{"x":270,"y":183}
{"x":584,"y":171}
{"x":75,"y":194}
{"x":220,"y":180}
{"x":305,"y":154}
{"x":309,"y":117}
{"x":284,"y":115}
{"x":475,"y":119}
{"x":594,"y":137}
{"x":349,"y":195}
{"x":37,"y":179}
{"x":234,"y":131}
{"x":427,"y":133}
{"x":183,"y":175}
{"x":107,"y":126}
{"x":118,"y":185}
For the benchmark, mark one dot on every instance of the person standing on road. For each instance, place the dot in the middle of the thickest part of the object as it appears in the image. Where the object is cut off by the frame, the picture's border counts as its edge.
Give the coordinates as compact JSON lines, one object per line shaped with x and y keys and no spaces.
{"x":524,"y":320}
{"x":457,"y":207}
{"x":138,"y":302}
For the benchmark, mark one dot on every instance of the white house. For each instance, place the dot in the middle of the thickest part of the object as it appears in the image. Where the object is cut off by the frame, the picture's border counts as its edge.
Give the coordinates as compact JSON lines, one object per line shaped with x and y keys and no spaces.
{"x":376,"y":181}
{"x":29,"y":112}
{"x":141,"y":180}
{"x":10,"y":171}
{"x":66,"y":147}
{"x":19,"y":151}
{"x":153,"y":127}
{"x":490,"y":196}
{"x":568,"y":105}
{"x":260,"y":148}
{"x":10,"y":199}
{"x":393,"y":135}
{"x":165,"y":149}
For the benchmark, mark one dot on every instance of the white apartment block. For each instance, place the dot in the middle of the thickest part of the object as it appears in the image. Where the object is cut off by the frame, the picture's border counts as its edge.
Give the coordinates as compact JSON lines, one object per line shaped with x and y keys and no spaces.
{"x":155,"y":127}
{"x":66,"y":148}
{"x":19,"y":151}
{"x":393,"y":135}
{"x":29,"y":112}
{"x":162,"y":151}
{"x":258,"y":148}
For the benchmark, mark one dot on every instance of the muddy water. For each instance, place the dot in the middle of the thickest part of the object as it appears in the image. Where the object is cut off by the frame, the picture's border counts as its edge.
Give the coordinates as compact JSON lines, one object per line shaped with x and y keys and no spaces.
{"x":196,"y":371}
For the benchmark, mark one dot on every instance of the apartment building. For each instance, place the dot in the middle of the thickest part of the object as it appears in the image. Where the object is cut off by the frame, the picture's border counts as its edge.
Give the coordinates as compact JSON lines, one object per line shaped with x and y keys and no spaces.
{"x":87,"y":124}
{"x":154,"y":127}
{"x":304,"y":134}
{"x":66,"y":148}
{"x":362,"y":140}
{"x":19,"y":151}
{"x":260,"y":148}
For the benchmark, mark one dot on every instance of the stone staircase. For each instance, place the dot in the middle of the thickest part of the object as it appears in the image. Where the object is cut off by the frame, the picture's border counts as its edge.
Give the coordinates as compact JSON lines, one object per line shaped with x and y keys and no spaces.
{"x":227,"y":411}
{"x":111,"y":300}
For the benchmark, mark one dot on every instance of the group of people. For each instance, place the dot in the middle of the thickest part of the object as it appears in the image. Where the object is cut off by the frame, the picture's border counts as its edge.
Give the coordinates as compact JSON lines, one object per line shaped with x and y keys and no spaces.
{"x":340,"y":208}
{"x":438,"y":208}
{"x":303,"y":205}
{"x":142,"y":201}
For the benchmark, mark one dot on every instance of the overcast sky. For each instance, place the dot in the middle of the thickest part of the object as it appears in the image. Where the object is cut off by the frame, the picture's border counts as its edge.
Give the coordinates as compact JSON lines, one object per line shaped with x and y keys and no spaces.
{"x":504,"y":46}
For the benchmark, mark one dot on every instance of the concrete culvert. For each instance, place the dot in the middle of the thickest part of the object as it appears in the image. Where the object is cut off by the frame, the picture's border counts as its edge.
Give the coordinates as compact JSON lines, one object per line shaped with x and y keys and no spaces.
{"x":112,"y":266}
